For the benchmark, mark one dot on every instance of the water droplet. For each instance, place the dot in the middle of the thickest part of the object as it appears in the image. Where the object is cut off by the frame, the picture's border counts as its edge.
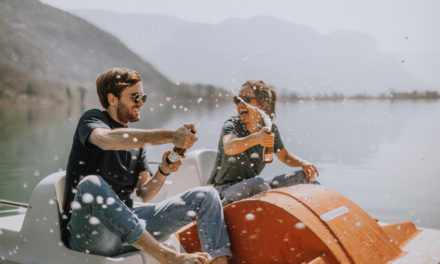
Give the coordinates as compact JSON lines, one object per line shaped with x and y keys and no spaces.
{"x":94,"y":221}
{"x":255,"y":155}
{"x":36,"y":173}
{"x":156,"y":233}
{"x":110,"y":201}
{"x":250,"y":217}
{"x":99,"y":199}
{"x":232,"y":159}
{"x":75,"y":205}
{"x":200,"y":195}
{"x":135,"y":140}
{"x":191,"y":214}
{"x":300,"y":226}
{"x":358,"y":224}
{"x":125,"y":135}
{"x":24,"y":185}
{"x":87,"y":198}
{"x":51,"y":201}
{"x":199,"y":100}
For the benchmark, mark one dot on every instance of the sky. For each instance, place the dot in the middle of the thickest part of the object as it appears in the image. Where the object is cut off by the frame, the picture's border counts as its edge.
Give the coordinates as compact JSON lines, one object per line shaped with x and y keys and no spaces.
{"x":408,"y":28}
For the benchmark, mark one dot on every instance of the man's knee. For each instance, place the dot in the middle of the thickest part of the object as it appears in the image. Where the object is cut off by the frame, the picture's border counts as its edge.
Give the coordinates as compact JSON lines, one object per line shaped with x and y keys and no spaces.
{"x":90,"y":184}
{"x":206,"y":192}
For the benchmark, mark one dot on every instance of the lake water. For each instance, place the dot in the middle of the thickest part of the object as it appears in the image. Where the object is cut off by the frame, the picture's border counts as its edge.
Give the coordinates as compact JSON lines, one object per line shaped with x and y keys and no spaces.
{"x":383,"y":155}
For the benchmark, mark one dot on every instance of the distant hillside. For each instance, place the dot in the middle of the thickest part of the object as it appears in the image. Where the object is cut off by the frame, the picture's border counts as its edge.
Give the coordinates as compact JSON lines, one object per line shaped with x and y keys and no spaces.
{"x":289,"y":56}
{"x":49,"y":53}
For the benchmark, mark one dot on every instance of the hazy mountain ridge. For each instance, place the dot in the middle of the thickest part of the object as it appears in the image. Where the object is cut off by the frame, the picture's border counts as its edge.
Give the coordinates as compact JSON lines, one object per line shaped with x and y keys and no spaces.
{"x":289,"y":56}
{"x":41,"y":44}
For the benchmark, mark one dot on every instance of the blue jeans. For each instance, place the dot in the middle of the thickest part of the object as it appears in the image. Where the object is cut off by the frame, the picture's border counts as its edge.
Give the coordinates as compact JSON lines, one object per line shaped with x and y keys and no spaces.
{"x":102,"y":224}
{"x":250,"y":187}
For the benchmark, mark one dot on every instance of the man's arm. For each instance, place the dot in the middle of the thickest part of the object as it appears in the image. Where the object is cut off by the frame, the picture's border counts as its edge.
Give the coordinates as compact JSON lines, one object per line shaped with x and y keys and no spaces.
{"x":147,"y":186}
{"x":130,"y":138}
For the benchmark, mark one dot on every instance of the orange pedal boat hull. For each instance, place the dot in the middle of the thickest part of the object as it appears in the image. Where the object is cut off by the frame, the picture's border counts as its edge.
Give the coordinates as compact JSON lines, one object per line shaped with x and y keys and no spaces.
{"x":305,"y":224}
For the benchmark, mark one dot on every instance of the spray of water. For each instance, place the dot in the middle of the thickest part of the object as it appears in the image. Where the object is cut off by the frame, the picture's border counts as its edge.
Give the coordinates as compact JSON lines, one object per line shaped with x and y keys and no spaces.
{"x":233,"y":82}
{"x":266,"y":119}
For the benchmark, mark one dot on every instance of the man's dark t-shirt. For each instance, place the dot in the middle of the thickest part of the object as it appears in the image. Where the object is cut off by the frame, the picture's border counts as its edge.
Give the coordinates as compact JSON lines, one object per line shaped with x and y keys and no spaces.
{"x":230,"y":169}
{"x":120,"y":169}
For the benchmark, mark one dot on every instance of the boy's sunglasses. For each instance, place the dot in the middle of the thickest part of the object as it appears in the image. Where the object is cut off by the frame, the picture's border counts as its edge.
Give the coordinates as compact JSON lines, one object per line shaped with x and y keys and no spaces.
{"x":138,"y":97}
{"x":245,"y":98}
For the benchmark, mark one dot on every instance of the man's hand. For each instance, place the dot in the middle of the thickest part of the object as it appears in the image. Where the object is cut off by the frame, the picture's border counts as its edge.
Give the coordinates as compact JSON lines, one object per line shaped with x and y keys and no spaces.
{"x":185,"y":136}
{"x":265,"y":137}
{"x":310,"y":171}
{"x":169,"y":167}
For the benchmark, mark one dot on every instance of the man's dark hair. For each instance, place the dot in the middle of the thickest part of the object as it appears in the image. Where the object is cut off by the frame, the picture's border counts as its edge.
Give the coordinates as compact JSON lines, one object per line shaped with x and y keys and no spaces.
{"x":114,"y":81}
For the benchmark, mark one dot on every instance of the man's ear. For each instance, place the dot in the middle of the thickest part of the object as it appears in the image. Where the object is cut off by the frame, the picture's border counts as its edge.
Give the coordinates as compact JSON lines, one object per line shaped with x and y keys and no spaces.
{"x":112,"y":99}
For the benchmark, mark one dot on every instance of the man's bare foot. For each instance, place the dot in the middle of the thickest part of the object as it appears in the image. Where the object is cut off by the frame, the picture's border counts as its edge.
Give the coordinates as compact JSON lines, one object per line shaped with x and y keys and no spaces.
{"x":197,"y":258}
{"x":220,"y":260}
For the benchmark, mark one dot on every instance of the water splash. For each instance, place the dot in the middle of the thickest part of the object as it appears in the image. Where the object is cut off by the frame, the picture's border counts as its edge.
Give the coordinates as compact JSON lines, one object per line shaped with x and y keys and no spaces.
{"x":191,"y":214}
{"x":250,"y":217}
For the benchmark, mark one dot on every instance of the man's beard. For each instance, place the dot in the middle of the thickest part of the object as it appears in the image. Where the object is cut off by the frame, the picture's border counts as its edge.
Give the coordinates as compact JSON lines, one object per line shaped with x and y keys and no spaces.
{"x":125,"y":115}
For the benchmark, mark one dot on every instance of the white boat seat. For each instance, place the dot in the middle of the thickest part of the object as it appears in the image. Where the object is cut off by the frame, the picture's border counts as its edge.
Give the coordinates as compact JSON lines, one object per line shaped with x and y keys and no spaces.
{"x":41,"y":234}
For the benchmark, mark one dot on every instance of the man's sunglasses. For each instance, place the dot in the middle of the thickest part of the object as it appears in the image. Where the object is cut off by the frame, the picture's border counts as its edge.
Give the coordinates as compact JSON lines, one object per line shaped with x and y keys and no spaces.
{"x":238,"y":99}
{"x":138,"y":97}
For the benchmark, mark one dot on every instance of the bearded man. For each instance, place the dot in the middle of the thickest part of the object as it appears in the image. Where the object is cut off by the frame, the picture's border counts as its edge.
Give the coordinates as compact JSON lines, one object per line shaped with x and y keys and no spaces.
{"x":108,"y":162}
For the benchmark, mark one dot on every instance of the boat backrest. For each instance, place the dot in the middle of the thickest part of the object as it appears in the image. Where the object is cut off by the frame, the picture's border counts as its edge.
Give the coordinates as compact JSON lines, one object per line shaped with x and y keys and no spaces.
{"x":205,"y":159}
{"x":195,"y":171}
{"x":60,"y":183}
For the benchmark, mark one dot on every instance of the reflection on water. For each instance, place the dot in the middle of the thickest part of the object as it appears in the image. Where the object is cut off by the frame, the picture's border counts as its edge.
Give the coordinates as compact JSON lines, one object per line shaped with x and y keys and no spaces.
{"x":382,"y":155}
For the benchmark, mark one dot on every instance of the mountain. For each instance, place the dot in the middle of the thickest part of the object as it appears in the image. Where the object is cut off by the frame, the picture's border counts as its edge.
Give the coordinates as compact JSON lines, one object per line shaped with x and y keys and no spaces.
{"x":49,"y":53}
{"x":289,"y":56}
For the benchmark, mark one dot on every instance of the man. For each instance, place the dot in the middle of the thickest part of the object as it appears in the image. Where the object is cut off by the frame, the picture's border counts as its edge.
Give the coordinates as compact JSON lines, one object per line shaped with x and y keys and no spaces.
{"x":108,"y":162}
